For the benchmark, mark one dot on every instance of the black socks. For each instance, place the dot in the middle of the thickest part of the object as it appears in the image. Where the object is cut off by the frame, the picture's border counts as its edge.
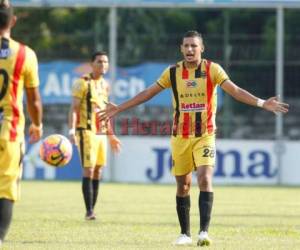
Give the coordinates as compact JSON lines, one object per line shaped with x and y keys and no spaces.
{"x":95,"y":191}
{"x":87,"y":190}
{"x":183,"y":205}
{"x":6,"y":209}
{"x":205,"y":207}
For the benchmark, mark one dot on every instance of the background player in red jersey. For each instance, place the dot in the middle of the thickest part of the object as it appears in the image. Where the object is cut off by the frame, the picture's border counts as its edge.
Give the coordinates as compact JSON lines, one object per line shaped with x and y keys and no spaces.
{"x":18,"y":71}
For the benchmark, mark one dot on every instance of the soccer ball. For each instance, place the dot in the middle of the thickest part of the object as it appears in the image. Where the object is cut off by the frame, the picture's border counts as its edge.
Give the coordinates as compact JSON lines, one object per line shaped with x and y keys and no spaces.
{"x":56,"y":150}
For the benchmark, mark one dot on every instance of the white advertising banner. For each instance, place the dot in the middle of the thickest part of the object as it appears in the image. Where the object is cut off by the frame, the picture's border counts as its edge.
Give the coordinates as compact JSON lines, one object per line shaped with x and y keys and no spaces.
{"x":246,"y":162}
{"x":291,"y":162}
{"x":147,"y":160}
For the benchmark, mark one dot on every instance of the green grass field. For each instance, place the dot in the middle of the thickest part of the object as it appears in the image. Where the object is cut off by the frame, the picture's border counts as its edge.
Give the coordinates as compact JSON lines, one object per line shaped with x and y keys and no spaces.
{"x":51,"y":216}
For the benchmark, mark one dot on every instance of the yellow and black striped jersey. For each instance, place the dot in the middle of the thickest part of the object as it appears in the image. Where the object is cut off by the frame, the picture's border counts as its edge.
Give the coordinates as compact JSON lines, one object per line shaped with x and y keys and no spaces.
{"x":18,"y":70}
{"x":93,"y":95}
{"x":194,"y":97}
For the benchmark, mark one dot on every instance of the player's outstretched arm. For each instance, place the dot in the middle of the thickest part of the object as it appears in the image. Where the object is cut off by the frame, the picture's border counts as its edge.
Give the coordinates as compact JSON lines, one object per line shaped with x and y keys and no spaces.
{"x":272,"y":104}
{"x":142,"y":97}
{"x":35,"y":110}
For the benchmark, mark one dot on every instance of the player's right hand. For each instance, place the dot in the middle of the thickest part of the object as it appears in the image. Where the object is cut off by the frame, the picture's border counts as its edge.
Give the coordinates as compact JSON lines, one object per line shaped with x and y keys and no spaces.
{"x":72,"y":138}
{"x":110,"y":111}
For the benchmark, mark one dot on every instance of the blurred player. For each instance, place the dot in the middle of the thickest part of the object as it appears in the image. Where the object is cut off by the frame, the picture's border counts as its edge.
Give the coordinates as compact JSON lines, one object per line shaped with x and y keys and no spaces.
{"x":90,"y":94}
{"x":18,"y":71}
{"x":194,"y":82}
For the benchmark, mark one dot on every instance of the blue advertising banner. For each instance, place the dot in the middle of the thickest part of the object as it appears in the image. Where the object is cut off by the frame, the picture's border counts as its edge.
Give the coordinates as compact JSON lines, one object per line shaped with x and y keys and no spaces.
{"x":133,"y":80}
{"x":57,"y":78}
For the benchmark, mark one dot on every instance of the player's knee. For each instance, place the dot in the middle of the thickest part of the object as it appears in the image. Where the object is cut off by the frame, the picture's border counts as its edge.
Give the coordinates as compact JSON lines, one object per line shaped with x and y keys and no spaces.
{"x":184,"y":189}
{"x":204,"y":181}
{"x":97,"y":173}
{"x":88,"y":172}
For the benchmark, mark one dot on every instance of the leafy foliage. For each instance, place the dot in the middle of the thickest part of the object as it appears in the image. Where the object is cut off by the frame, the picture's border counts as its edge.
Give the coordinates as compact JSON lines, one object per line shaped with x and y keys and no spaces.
{"x":147,"y":34}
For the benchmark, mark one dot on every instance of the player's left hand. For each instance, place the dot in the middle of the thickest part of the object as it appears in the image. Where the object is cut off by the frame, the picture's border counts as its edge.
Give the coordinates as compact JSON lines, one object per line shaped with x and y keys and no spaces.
{"x":274,"y":105}
{"x":115,"y":143}
{"x":35,"y":133}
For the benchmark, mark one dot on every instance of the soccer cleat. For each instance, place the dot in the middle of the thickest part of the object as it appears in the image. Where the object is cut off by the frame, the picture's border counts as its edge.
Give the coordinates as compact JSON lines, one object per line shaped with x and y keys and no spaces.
{"x":90,"y":216}
{"x":203,"y":239}
{"x":182,"y":240}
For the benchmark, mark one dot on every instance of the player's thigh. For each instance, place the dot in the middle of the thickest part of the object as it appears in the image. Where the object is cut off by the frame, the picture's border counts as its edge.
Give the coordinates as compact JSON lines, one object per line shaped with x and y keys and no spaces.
{"x":182,"y":157}
{"x":204,"y":151}
{"x":101,"y":150}
{"x":11,"y":154}
{"x":87,"y":148}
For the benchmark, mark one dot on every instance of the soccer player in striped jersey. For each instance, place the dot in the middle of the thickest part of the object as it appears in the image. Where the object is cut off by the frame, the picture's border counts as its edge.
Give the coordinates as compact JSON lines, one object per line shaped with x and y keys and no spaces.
{"x":194,"y":82}
{"x":90,"y":94}
{"x":18,"y":72}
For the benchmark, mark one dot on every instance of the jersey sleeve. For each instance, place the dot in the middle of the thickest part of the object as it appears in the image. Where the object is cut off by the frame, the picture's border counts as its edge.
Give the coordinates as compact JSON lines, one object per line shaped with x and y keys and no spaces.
{"x":31,"y":75}
{"x":78,"y":88}
{"x":218,"y":74}
{"x":164,"y":80}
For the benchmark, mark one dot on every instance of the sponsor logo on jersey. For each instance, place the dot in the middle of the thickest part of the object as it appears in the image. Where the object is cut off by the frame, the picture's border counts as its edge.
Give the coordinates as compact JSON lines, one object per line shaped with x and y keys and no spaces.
{"x":4,"y":53}
{"x":192,"y":106}
{"x":191,"y":84}
{"x":187,"y":95}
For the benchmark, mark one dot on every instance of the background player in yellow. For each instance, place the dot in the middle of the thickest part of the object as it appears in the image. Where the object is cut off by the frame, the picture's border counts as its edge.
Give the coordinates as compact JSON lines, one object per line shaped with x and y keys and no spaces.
{"x":18,"y":71}
{"x":90,"y":94}
{"x":193,"y":82}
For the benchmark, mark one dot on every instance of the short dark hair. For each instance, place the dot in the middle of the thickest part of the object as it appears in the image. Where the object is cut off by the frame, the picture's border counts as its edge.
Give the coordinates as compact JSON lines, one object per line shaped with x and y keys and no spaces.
{"x":6,"y":13}
{"x":98,"y":53}
{"x":193,"y":33}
